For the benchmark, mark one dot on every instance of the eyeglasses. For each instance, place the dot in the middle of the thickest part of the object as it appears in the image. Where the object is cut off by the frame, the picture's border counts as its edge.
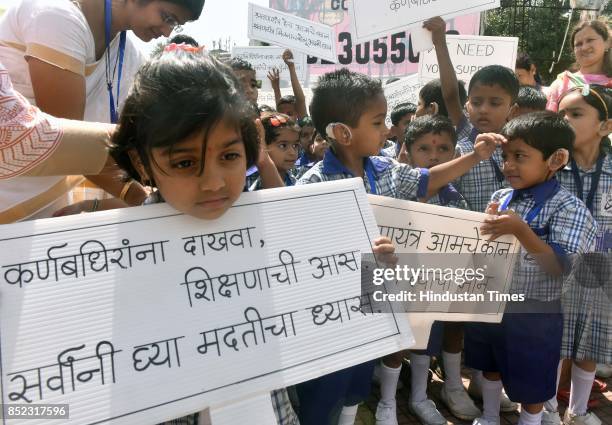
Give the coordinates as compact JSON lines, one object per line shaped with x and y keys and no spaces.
{"x":171,"y":22}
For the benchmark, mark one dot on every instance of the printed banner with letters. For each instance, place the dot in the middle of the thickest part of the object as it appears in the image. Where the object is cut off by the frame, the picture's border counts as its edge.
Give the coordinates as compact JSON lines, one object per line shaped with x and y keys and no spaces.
{"x":402,"y":91}
{"x":141,"y":315}
{"x":264,"y":59}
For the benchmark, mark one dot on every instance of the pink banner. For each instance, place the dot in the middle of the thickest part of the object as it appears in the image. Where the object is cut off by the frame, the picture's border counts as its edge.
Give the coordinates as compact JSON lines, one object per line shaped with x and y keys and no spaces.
{"x":382,"y":58}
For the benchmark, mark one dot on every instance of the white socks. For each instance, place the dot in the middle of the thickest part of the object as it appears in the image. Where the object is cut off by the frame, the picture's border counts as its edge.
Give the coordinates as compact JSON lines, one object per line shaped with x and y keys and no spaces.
{"x":491,"y":399}
{"x":388,"y":383}
{"x":348,"y":415}
{"x":452,"y":370}
{"x":527,"y":418}
{"x":552,"y":405}
{"x":582,"y":383}
{"x":419,"y":370}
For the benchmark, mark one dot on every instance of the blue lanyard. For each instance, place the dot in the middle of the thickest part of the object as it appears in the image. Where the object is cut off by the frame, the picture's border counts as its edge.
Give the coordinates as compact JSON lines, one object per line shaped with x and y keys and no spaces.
{"x":533,"y":213}
{"x":580,"y":186}
{"x":110,"y":75}
{"x":370,"y":174}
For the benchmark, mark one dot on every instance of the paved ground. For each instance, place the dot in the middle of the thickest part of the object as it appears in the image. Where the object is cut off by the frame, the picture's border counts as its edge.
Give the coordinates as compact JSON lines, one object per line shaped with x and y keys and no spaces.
{"x":367,"y":410}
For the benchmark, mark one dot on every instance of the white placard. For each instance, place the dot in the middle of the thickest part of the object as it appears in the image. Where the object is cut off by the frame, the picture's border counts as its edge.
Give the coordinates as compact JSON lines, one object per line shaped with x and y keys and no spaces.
{"x":375,"y":19}
{"x":443,"y":238}
{"x":264,"y":59}
{"x":267,"y":97}
{"x":402,"y":91}
{"x":422,"y":39}
{"x":282,"y":29}
{"x":145,"y":314}
{"x":469,"y":53}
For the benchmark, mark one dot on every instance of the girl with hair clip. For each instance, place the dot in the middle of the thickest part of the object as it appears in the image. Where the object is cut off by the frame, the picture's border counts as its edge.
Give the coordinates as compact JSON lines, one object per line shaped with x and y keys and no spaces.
{"x":187,"y":131}
{"x":587,"y":333}
{"x":591,"y":43}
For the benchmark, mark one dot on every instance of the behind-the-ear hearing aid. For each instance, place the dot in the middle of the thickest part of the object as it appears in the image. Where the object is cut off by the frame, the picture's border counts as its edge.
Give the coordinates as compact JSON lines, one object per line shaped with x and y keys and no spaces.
{"x":558,"y":159}
{"x":329,"y":130}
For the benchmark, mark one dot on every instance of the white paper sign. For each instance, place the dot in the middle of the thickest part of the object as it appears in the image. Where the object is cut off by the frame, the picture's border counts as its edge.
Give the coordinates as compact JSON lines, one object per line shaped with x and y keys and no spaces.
{"x":265,"y":59}
{"x":402,"y":91}
{"x":267,"y":97}
{"x":282,"y":29}
{"x":445,"y":245}
{"x":469,"y":53}
{"x":375,"y":19}
{"x":141,"y":315}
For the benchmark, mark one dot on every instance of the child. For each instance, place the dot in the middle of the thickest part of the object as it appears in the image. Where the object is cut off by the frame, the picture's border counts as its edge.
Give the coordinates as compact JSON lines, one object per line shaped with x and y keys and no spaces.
{"x":313,"y":153}
{"x":529,"y":100}
{"x":247,"y":76}
{"x":293,"y":106}
{"x":587,"y":322}
{"x":400,"y":118}
{"x":350,"y":110}
{"x":193,"y":145}
{"x":526,"y":72}
{"x":282,"y":144}
{"x":522,"y":352}
{"x":307,"y":132}
{"x":429,"y":141}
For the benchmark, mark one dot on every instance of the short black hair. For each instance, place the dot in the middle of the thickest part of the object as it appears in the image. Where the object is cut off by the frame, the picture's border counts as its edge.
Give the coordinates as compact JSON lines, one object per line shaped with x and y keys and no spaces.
{"x":545,"y":131}
{"x":193,"y":6}
{"x":531,"y":98}
{"x":184,"y":39}
{"x":342,"y":96}
{"x":238,"y":64}
{"x":289,"y":100}
{"x":432,"y":92}
{"x":436,"y":124}
{"x":266,"y":108}
{"x":401,"y":110}
{"x":523,"y":61}
{"x":497,"y":75}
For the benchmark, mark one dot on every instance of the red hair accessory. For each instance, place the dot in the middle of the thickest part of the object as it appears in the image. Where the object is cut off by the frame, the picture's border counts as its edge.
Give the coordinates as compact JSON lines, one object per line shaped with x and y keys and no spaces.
{"x":172,"y":47}
{"x":277,"y":120}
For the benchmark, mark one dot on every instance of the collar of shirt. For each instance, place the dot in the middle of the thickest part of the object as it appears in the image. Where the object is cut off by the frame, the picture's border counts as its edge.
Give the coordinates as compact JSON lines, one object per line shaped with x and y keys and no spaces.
{"x":251,"y":171}
{"x":303,"y":160}
{"x":606,"y":169}
{"x":289,"y":179}
{"x":332,"y":165}
{"x":540,"y":192}
{"x":448,"y":193}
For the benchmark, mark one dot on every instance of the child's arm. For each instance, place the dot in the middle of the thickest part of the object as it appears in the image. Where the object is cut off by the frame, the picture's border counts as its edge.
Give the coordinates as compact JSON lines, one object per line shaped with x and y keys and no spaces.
{"x":510,"y":223}
{"x":300,"y":99}
{"x":268,"y":173}
{"x":441,"y":175}
{"x":448,"y":77}
{"x":274,"y":77}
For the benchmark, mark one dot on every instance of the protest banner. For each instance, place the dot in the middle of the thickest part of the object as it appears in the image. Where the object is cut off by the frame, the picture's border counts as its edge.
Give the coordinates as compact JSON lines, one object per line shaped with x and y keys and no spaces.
{"x":267,"y":97}
{"x":469,"y":54}
{"x":140,"y":315}
{"x":454,"y":272}
{"x":371,"y":20}
{"x":391,"y":56}
{"x":402,"y":91}
{"x":264,"y":59}
{"x":282,"y":29}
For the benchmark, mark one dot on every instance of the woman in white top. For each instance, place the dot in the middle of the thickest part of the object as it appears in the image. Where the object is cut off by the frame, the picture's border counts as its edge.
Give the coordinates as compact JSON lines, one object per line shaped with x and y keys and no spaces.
{"x":73,"y":60}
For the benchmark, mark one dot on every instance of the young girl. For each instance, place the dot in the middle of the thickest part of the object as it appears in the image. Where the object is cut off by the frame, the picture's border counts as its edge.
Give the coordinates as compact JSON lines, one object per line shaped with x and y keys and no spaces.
{"x":186,"y":130}
{"x":587,"y":317}
{"x":282,"y":144}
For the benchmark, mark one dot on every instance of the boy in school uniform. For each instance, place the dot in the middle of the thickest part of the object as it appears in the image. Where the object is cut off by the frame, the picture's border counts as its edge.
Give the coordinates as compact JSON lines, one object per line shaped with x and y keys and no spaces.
{"x":350,"y":109}
{"x":522,"y":352}
{"x":400,"y":118}
{"x":530,"y":100}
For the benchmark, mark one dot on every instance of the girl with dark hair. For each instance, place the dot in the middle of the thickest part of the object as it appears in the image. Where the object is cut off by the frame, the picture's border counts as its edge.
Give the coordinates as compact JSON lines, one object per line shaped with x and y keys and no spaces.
{"x":591,"y":43}
{"x":187,"y":131}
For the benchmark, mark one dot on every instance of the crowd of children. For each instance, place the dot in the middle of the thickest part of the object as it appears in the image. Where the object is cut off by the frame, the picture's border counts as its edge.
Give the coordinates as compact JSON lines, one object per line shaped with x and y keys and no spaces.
{"x":544,"y":177}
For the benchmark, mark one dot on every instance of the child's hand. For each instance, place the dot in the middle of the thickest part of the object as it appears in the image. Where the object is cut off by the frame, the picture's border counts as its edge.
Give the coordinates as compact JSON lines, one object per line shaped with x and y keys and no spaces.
{"x":384,"y":251}
{"x":485,"y":144}
{"x":403,"y":156}
{"x":505,"y":223}
{"x":274,"y":77}
{"x":288,"y":58}
{"x":437,"y":26}
{"x":263,"y":158}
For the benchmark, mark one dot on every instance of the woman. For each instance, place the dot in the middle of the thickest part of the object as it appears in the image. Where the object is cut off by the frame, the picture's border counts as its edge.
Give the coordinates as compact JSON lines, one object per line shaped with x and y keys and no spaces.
{"x":591,"y":43}
{"x":73,"y":60}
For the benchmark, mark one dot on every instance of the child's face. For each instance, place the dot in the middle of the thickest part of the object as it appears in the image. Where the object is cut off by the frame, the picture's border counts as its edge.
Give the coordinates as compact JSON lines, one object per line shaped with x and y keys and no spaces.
{"x":399,"y":129}
{"x":583,"y":118}
{"x":432,"y":149}
{"x":287,"y":109}
{"x":371,"y":132}
{"x":158,"y":18}
{"x":284,"y":149}
{"x":489,"y":107}
{"x":248,"y":81}
{"x":306,"y":134}
{"x":589,"y":47}
{"x":524,"y":166}
{"x":318,"y":147}
{"x":209,"y":194}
